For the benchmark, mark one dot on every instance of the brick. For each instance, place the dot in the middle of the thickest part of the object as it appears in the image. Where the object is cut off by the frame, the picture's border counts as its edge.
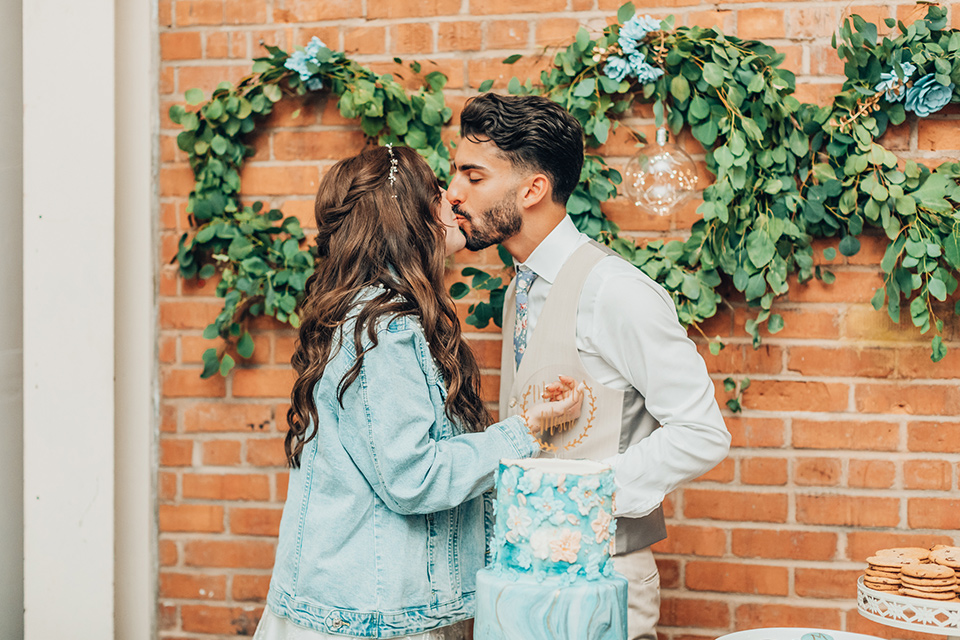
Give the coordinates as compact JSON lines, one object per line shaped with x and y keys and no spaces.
{"x":180,"y":45}
{"x":281,"y":482}
{"x":798,"y":322}
{"x":720,"y":19}
{"x":517,"y":6}
{"x":317,"y":145}
{"x":240,"y":621}
{"x":279,"y":181}
{"x":217,"y":45}
{"x":187,"y":383}
{"x":266,"y":453}
{"x":191,"y":586}
{"x":916,"y":364}
{"x":411,"y":37}
{"x":191,"y":517}
{"x":730,"y":577}
{"x":863,"y":544}
{"x":316,"y":10}
{"x":552,"y":32}
{"x":692,"y":612}
{"x":250,"y":587}
{"x":237,"y":554}
{"x":459,"y":36}
{"x":167,"y":617}
{"x":743,"y":358}
{"x":487,"y":352}
{"x":227,"y":417}
{"x":790,"y":395}
{"x":784,"y":544}
{"x":365,"y":40}
{"x":166,"y":485}
{"x":176,"y":453}
{"x":941,"y":437}
{"x":692,"y":540}
{"x":226,"y":486}
{"x":844,"y":434}
{"x":812,"y":22}
{"x":198,"y":12}
{"x":852,"y":362}
{"x":207,"y":78}
{"x":850,"y":286}
{"x":411,"y":8}
{"x":752,"y":432}
{"x":168,"y":418}
{"x":669,"y":573}
{"x":752,"y":616}
{"x":864,"y":323}
{"x":735,"y":505}
{"x":935,"y":135}
{"x":933,"y":513}
{"x":291,"y":112}
{"x":176,"y":181}
{"x":826,"y":583}
{"x":871,"y":474}
{"x":508,"y":34}
{"x":723,"y":472}
{"x":167,"y":552}
{"x":911,"y":399}
{"x":263,"y":382}
{"x":935,"y":475}
{"x":753,"y":24}
{"x":188,"y":314}
{"x":245,"y":11}
{"x":167,"y":350}
{"x":255,"y":522}
{"x":763,"y":471}
{"x":165,"y":13}
{"x":896,"y":137}
{"x":480,"y":69}
{"x":854,"y":511}
{"x":819,"y":472}
{"x":221,"y":453}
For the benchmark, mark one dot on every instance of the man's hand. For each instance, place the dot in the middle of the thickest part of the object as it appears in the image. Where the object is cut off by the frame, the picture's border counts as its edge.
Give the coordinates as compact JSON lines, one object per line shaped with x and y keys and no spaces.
{"x":564,"y":400}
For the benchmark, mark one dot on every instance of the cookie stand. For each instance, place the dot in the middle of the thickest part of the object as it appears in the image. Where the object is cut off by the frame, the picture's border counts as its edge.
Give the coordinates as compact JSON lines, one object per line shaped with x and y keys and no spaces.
{"x":907,"y":612}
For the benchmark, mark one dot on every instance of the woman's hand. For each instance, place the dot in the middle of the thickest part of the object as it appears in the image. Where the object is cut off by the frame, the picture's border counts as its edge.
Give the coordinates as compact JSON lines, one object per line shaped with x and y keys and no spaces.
{"x":563,"y":402}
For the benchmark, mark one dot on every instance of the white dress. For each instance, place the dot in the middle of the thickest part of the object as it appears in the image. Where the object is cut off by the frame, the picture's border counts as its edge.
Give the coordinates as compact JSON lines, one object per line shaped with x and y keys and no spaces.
{"x":273,"y":627}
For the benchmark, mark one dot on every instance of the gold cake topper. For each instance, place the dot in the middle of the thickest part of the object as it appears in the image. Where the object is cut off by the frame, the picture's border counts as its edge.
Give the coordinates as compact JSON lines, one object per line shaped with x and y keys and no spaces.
{"x":546,"y":434}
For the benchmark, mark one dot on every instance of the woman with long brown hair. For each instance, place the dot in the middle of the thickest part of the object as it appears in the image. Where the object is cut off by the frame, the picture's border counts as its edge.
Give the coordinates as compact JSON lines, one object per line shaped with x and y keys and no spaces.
{"x":390,"y":445}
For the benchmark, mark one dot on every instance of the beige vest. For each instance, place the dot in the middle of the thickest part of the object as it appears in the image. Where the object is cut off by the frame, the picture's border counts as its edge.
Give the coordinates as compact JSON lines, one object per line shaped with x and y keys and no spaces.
{"x":611,"y":419}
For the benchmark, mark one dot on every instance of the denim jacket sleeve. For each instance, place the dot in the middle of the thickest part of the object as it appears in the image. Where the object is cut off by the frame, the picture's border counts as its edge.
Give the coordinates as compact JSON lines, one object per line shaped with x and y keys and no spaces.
{"x":386,"y":425}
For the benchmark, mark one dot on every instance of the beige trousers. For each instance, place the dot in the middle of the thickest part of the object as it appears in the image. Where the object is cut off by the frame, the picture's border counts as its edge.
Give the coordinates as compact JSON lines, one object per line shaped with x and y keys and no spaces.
{"x":643,"y":593}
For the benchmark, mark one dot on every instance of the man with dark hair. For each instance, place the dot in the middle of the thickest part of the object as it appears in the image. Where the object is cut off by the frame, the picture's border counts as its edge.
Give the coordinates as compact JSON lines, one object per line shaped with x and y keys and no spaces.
{"x":578,"y":309}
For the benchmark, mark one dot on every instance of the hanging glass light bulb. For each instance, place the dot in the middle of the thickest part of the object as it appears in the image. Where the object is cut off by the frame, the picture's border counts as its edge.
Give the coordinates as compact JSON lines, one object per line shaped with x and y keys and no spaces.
{"x":660,"y":177}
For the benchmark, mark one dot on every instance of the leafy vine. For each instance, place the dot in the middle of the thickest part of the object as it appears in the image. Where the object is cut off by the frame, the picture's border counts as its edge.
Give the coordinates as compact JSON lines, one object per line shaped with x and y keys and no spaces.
{"x":785,"y":172}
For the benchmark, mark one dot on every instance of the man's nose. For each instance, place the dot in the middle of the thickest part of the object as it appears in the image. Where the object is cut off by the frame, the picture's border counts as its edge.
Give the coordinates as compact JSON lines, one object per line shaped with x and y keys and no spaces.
{"x":453,"y":194}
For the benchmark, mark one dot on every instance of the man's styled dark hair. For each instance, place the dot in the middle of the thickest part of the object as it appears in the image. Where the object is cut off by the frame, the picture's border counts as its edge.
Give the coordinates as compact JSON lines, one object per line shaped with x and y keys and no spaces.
{"x":532,"y":132}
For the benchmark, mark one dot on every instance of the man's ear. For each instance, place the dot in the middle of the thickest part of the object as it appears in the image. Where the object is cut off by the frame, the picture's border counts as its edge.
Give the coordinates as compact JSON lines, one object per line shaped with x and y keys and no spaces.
{"x":534,"y":190}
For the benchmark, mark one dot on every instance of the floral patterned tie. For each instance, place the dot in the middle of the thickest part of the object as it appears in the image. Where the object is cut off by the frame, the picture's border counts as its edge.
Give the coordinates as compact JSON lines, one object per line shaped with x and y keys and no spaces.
{"x":525,"y":278}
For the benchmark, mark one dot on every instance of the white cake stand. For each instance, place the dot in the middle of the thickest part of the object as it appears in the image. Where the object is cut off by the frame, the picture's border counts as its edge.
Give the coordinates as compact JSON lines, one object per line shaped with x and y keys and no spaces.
{"x":907,"y":612}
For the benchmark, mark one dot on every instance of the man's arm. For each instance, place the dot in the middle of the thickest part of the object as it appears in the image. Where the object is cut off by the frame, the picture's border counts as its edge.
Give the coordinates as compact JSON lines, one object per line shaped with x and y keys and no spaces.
{"x":636,"y":331}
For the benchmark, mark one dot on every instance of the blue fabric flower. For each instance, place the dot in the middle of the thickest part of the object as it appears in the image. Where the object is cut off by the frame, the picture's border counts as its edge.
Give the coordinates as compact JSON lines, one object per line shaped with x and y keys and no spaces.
{"x":891,"y":85}
{"x":644,"y":71}
{"x":313,"y":47}
{"x":634,"y":30}
{"x":616,"y":68}
{"x":298,"y":62}
{"x":314,"y":84}
{"x":928,"y":96}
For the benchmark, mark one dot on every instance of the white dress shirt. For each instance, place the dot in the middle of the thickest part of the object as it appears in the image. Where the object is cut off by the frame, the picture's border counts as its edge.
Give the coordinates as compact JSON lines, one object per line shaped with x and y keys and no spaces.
{"x":628,"y":335}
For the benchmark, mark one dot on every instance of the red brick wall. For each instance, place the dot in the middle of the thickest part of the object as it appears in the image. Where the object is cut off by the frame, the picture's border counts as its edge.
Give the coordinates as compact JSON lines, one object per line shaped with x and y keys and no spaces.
{"x":849,"y":440}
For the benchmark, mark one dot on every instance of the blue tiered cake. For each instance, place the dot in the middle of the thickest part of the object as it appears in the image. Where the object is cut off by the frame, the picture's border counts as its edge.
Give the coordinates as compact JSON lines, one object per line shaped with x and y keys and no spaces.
{"x":552,"y":577}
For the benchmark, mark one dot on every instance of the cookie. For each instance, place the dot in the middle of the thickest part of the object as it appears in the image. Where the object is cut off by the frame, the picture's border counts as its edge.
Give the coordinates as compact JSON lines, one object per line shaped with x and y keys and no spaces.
{"x":929,"y":595}
{"x":905,"y":552}
{"x":944,"y":582}
{"x":876,"y":580}
{"x":932,"y":588}
{"x":927,"y":571}
{"x":886,"y":588}
{"x":882,"y":574}
{"x":947,"y":556}
{"x":892,"y":563}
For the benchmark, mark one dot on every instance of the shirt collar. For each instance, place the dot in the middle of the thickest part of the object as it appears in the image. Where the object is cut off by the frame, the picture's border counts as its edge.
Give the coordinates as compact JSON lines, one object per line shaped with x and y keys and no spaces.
{"x":549,"y":256}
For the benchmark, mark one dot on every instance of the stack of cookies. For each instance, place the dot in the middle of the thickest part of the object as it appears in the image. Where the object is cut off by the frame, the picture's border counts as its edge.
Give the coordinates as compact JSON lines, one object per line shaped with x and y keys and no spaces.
{"x":930,"y":581}
{"x":933,"y":574}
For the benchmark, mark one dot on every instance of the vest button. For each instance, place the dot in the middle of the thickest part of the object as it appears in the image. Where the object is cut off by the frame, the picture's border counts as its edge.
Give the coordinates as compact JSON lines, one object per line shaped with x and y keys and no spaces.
{"x":513,"y":402}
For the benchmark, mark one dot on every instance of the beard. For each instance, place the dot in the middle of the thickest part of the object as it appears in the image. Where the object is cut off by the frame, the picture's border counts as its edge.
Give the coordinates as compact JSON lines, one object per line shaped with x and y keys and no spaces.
{"x":498,"y":223}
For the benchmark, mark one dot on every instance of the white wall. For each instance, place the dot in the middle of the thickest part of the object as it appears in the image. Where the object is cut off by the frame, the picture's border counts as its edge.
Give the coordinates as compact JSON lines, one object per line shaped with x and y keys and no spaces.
{"x":11,"y":326}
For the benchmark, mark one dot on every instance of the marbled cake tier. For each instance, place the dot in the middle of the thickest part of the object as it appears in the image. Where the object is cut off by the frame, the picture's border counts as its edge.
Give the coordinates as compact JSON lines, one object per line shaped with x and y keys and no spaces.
{"x":554,"y":518}
{"x":512,"y":606}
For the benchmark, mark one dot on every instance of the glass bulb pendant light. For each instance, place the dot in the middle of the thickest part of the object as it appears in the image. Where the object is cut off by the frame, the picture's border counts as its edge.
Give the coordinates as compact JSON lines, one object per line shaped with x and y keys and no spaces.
{"x":660,"y":177}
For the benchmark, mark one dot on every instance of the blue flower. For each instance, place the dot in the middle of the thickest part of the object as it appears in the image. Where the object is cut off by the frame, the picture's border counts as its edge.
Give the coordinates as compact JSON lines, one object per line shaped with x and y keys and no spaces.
{"x":634,"y":30}
{"x":644,"y":71}
{"x":616,"y":68}
{"x":314,"y":84}
{"x":928,"y":96}
{"x":549,"y":507}
{"x":891,"y":85}
{"x":298,"y":62}
{"x":313,"y":47}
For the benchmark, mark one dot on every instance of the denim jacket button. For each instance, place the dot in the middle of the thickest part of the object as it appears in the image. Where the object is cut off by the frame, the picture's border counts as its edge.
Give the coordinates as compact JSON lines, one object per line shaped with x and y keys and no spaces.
{"x":513,"y":402}
{"x":333,"y":621}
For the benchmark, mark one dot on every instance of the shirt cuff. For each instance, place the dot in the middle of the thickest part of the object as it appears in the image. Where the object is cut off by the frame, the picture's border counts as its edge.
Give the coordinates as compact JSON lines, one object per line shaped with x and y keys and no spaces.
{"x":632,"y":501}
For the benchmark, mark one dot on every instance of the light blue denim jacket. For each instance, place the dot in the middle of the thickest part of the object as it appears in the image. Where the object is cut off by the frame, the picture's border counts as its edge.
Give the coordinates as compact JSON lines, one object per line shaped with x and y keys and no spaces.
{"x":383,"y":530}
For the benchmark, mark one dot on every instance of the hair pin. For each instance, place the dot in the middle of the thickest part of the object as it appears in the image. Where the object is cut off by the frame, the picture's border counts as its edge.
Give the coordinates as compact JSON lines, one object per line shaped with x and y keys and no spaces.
{"x":392,"y":176}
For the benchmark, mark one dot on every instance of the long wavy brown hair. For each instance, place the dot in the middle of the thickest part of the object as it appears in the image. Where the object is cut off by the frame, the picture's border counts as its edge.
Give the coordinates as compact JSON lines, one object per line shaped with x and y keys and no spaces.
{"x":376,"y":231}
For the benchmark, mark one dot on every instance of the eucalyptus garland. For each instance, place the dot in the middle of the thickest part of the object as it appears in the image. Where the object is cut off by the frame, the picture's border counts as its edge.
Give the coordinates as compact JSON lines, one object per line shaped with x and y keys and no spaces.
{"x":785,"y":172}
{"x":258,"y":254}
